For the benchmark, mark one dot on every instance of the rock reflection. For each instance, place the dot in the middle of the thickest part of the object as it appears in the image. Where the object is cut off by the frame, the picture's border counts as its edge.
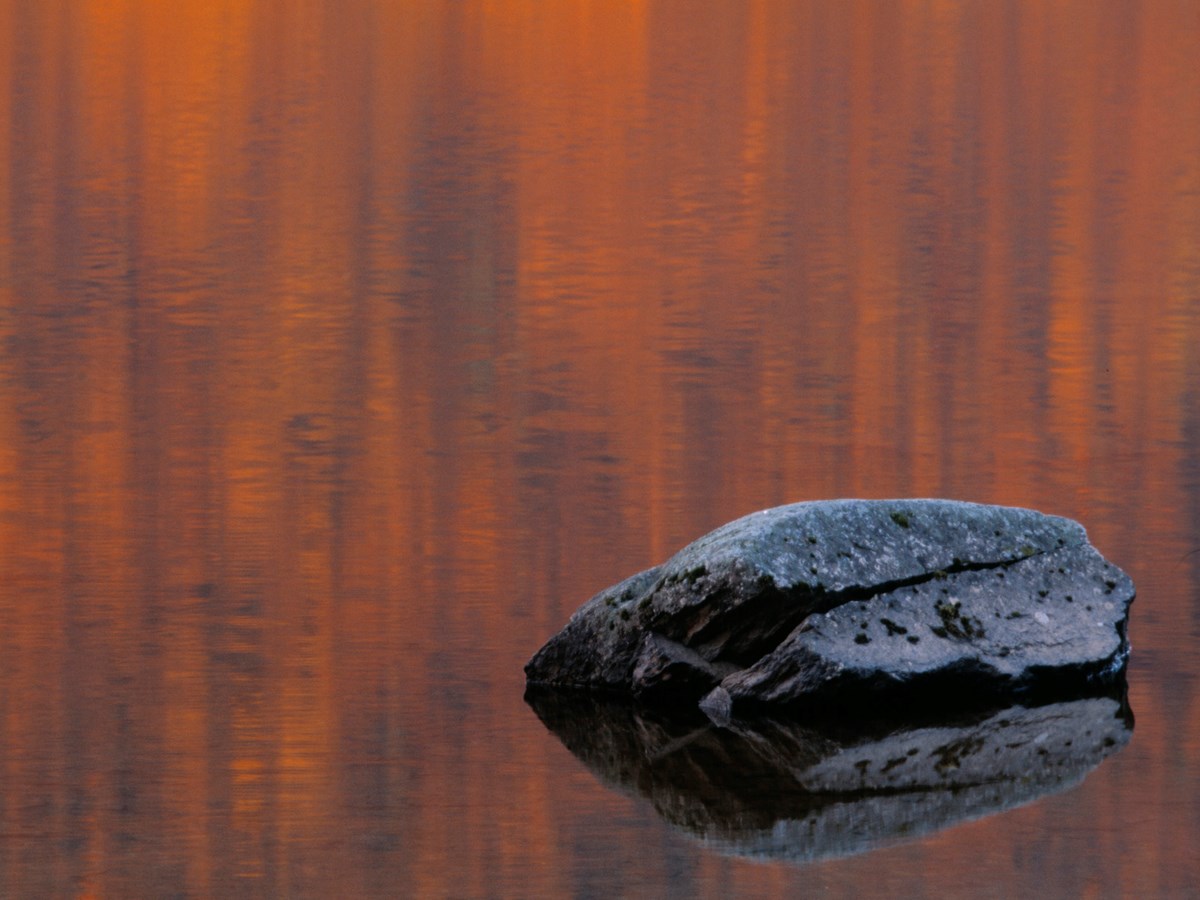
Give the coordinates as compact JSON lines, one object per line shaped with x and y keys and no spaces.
{"x":802,"y":792}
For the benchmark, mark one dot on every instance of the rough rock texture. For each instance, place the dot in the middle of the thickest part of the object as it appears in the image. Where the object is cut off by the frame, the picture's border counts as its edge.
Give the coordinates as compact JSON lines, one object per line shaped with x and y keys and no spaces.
{"x":828,"y":602}
{"x":783,"y":790}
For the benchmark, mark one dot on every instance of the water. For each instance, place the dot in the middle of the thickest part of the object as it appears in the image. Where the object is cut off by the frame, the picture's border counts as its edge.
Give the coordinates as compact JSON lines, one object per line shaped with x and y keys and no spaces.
{"x":345,"y":348}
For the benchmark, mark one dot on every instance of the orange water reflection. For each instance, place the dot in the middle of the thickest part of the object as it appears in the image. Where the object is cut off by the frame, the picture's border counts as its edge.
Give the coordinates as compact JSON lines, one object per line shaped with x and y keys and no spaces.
{"x":349,"y":346}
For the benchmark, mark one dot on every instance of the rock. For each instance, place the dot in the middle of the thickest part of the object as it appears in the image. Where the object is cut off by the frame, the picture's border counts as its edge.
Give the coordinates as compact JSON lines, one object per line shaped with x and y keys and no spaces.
{"x":829,"y":603}
{"x":666,"y":669}
{"x":784,"y":790}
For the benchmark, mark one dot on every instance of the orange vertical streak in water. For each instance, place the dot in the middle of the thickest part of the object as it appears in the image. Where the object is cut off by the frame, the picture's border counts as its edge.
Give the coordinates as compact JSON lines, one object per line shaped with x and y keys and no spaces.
{"x":8,"y":435}
{"x":763,"y":92}
{"x":8,"y":51}
{"x":1076,"y":294}
{"x":878,"y":351}
{"x":579,"y":73}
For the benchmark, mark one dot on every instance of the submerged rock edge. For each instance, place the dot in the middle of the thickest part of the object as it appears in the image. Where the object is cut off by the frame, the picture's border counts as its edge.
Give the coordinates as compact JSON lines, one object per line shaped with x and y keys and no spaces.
{"x":781,"y":578}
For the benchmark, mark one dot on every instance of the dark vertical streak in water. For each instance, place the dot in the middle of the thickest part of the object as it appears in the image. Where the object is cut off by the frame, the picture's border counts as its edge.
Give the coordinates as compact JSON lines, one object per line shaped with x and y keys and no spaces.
{"x":1113,"y":144}
{"x":1030,"y":195}
{"x":24,"y":176}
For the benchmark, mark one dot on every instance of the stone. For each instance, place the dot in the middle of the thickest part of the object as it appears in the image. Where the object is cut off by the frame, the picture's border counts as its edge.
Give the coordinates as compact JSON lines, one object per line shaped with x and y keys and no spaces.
{"x":784,"y":790}
{"x":826,"y":604}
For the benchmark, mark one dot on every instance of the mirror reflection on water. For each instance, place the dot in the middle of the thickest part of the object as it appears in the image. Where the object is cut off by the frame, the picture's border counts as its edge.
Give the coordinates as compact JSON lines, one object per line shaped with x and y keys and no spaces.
{"x":347,"y":347}
{"x":782,"y":789}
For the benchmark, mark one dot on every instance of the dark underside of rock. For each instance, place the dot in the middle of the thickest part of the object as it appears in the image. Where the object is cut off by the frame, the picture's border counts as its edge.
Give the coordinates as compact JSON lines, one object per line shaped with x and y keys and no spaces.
{"x":830,"y":603}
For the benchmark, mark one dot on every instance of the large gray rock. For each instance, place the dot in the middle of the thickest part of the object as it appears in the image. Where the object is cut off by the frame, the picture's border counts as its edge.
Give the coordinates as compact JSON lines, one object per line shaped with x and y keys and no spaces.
{"x":829,"y":602}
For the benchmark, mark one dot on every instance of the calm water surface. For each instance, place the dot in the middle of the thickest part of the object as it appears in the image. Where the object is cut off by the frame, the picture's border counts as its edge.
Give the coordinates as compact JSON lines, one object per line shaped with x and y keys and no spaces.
{"x":346,"y":347}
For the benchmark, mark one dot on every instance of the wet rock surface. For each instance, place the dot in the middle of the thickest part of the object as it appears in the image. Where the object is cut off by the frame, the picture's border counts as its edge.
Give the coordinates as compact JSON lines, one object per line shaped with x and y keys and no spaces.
{"x":831,"y":603}
{"x":778,"y":789}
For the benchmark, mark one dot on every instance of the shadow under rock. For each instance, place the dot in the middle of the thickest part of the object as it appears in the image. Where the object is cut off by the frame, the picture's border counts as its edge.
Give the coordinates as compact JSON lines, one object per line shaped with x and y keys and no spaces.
{"x":801,"y":792}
